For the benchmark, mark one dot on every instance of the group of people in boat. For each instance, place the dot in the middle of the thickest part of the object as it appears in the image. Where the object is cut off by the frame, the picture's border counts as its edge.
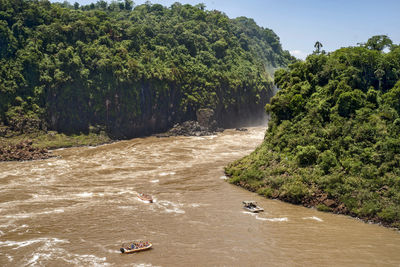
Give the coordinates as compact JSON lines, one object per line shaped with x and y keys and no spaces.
{"x":141,"y":244}
{"x":138,"y":245}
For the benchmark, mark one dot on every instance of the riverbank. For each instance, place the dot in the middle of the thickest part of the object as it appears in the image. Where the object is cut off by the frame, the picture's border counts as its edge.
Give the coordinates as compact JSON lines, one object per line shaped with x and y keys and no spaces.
{"x":318,"y":200}
{"x":22,"y":151}
{"x":38,"y":145}
{"x":271,"y":176}
{"x":333,"y":137}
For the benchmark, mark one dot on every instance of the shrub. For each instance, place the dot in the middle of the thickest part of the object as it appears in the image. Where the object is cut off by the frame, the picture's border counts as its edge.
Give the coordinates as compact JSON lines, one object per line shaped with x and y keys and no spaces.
{"x":350,"y":202}
{"x":327,"y":160}
{"x":392,"y":97}
{"x":266,"y":192}
{"x":390,"y":214}
{"x":372,"y":96}
{"x":322,"y":207}
{"x":306,"y":155}
{"x":369,"y":171}
{"x":369,"y":208}
{"x":294,"y":191}
{"x":349,"y":102}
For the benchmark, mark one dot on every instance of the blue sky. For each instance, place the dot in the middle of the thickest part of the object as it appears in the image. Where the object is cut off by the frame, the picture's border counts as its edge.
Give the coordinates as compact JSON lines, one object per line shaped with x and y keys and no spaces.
{"x":300,"y":23}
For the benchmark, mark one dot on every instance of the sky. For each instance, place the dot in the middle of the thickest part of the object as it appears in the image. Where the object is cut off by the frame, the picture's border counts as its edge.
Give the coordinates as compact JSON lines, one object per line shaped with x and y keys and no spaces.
{"x":300,"y":23}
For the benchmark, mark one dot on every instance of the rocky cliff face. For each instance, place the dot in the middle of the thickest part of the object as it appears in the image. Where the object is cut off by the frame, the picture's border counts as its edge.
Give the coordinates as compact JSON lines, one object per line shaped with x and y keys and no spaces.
{"x":128,"y":72}
{"x":158,"y":115}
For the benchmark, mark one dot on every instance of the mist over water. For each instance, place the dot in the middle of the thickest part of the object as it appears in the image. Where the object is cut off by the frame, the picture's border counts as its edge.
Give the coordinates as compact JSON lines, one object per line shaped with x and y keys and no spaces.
{"x":77,"y":209}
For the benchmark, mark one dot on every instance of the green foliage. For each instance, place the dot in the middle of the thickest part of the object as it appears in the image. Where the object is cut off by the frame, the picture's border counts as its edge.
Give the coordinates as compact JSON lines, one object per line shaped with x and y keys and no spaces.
{"x":266,"y":192}
{"x":334,"y":131}
{"x":132,"y":69}
{"x":322,"y":207}
{"x":327,"y":160}
{"x":53,"y":140}
{"x":294,"y":191}
{"x":306,"y":155}
{"x":390,"y":214}
{"x":349,"y":102}
{"x":392,"y":97}
{"x":378,"y":42}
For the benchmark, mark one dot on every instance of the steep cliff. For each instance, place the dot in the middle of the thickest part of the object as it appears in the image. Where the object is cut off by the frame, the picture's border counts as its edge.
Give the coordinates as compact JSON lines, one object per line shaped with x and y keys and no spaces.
{"x":129,"y":71}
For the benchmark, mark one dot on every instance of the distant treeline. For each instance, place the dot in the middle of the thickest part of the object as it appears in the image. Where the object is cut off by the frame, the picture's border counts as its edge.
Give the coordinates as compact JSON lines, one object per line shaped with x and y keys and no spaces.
{"x":129,"y":70}
{"x":334,"y":136}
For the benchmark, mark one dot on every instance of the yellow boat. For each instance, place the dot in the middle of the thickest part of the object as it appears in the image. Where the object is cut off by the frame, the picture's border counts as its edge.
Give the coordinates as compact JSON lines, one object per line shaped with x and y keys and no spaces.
{"x":135,"y":246}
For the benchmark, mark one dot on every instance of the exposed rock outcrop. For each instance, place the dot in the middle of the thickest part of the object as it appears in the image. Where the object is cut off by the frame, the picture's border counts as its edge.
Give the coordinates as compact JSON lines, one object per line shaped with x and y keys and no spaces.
{"x":189,"y":128}
{"x":22,"y":151}
{"x":205,"y":125}
{"x":205,"y":118}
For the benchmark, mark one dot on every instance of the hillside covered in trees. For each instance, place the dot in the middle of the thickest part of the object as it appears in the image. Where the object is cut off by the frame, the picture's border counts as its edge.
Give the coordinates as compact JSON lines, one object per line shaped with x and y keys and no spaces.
{"x":333,"y":141}
{"x":129,"y":70}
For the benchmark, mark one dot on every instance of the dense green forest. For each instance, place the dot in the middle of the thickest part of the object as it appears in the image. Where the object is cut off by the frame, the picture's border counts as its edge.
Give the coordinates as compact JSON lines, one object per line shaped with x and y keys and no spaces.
{"x":333,"y":140}
{"x":129,"y":70}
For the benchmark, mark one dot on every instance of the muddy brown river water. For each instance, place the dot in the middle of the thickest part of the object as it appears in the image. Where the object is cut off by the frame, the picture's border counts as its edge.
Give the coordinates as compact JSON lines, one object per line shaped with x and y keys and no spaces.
{"x":77,"y":209}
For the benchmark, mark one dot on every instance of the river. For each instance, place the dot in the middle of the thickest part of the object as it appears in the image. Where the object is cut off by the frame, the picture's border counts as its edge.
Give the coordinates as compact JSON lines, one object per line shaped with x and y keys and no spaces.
{"x":77,"y":209}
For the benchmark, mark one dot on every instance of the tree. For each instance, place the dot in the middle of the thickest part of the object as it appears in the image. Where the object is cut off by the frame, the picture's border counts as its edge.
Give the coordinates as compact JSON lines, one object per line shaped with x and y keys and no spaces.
{"x":333,"y":132}
{"x":201,"y":6}
{"x":379,"y":73}
{"x":349,"y":102}
{"x":109,"y":65}
{"x":129,"y":4}
{"x":102,"y":4}
{"x":318,"y":46}
{"x":379,"y":42}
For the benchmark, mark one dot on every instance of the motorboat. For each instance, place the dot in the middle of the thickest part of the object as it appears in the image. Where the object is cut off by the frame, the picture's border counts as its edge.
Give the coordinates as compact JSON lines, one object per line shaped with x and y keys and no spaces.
{"x":135,"y":246}
{"x":252,"y":206}
{"x":145,"y":197}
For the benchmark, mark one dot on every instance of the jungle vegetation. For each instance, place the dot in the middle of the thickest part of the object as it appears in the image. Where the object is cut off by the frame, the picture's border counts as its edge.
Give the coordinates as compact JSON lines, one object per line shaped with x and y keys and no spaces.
{"x":333,"y":141}
{"x":128,"y":70}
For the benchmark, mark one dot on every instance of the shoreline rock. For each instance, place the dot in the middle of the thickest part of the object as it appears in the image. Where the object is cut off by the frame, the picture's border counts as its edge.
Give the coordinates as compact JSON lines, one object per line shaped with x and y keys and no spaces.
{"x":189,"y":128}
{"x":23,"y":151}
{"x":205,"y":125}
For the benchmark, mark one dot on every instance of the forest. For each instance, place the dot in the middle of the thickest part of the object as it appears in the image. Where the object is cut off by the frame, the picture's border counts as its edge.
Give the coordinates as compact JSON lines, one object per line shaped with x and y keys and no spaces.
{"x":129,"y":70}
{"x":333,"y":141}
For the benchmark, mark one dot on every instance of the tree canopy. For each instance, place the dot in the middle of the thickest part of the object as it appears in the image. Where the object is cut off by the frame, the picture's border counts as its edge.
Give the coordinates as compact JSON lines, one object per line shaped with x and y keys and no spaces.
{"x":130,"y":69}
{"x":334,"y":136}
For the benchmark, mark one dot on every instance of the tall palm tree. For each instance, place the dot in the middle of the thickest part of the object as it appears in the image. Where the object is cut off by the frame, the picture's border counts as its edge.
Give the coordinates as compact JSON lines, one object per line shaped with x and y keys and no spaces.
{"x":318,"y":46}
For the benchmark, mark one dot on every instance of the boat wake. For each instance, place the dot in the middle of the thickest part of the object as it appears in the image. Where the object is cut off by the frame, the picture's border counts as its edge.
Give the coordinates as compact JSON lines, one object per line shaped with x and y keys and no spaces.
{"x":313,"y":218}
{"x":166,"y":173}
{"x":283,"y":219}
{"x":145,"y":265}
{"x":49,"y":250}
{"x":170,"y":207}
{"x":26,"y":215}
{"x":278,"y":219}
{"x":84,"y":195}
{"x":196,"y":205}
{"x":146,"y":201}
